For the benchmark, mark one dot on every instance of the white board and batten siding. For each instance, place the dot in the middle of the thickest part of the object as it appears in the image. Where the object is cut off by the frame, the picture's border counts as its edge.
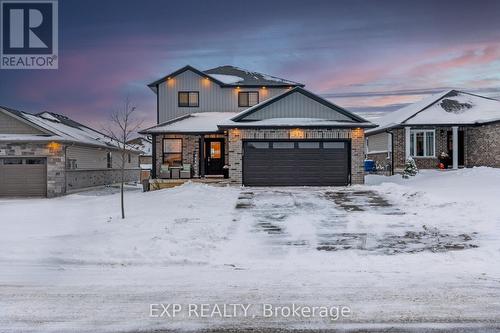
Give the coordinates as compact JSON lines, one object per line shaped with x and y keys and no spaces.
{"x":378,"y":143}
{"x":297,"y":105}
{"x":212,"y":98}
{"x":90,"y":158}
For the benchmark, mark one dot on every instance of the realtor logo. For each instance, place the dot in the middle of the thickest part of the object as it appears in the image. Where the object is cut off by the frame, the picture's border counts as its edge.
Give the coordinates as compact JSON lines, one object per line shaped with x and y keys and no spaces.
{"x":29,"y":34}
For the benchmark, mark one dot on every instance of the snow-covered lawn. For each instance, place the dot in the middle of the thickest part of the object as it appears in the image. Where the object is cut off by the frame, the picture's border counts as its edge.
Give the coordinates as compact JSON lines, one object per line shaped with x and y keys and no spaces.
{"x":421,"y":251}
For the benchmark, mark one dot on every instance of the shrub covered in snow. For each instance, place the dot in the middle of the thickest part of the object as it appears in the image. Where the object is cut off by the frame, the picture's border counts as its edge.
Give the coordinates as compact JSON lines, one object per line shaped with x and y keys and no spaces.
{"x":410,"y":168}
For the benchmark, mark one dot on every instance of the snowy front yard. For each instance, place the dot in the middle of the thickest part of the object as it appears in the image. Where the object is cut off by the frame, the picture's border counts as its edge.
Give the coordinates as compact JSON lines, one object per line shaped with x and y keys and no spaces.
{"x":421,"y":252}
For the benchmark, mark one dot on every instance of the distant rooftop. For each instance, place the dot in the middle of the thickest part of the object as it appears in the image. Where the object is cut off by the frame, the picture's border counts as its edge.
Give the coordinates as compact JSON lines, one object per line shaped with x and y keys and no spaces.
{"x":450,"y":107}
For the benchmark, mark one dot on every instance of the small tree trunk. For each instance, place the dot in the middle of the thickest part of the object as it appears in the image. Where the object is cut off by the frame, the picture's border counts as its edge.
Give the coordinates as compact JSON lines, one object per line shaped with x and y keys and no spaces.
{"x":122,"y":184}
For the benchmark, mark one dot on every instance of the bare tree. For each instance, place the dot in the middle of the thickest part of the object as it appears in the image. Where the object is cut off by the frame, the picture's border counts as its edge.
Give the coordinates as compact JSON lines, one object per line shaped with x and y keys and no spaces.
{"x":123,"y":125}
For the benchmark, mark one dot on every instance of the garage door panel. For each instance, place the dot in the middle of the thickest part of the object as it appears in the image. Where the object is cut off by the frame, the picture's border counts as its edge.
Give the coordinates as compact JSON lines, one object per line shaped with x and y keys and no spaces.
{"x":304,"y":164}
{"x":23,"y":179}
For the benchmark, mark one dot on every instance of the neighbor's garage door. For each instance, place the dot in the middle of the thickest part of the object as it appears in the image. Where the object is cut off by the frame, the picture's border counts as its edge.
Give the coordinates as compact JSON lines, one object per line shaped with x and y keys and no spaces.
{"x":23,"y":177}
{"x":295,"y":163}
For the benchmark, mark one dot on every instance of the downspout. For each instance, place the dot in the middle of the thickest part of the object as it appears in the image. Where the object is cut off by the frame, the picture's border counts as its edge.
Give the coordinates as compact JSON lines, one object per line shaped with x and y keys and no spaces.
{"x":392,"y":150}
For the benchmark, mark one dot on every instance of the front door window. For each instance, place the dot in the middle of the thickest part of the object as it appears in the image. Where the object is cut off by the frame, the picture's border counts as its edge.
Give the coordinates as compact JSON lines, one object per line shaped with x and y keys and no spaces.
{"x":214,"y":161}
{"x":215,"y":149}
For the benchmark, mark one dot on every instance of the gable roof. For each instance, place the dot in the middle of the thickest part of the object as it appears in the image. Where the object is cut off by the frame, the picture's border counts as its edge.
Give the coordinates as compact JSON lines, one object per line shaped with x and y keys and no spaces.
{"x":199,"y":122}
{"x":352,"y":118}
{"x":57,"y":128}
{"x":450,"y":107}
{"x":230,"y":76}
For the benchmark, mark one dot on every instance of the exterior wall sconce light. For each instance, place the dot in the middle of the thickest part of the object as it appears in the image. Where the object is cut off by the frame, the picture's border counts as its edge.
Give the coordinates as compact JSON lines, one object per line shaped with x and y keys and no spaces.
{"x":296,"y":133}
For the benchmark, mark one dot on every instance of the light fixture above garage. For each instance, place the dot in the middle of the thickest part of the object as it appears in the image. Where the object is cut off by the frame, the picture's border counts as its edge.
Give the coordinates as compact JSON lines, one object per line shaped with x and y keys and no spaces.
{"x":296,"y":133}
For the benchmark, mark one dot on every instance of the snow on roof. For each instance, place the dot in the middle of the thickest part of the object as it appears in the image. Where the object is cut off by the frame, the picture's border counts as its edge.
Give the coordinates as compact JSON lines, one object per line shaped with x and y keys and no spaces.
{"x":200,"y":122}
{"x":144,"y":145}
{"x":62,"y":129}
{"x":459,"y":108}
{"x":447,"y":107}
{"x":294,"y":122}
{"x":249,"y":77}
{"x":227,"y":79}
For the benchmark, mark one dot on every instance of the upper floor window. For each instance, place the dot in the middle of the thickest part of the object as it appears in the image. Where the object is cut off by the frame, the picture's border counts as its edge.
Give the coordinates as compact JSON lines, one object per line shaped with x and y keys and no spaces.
{"x":422,"y":143}
{"x":189,"y":99}
{"x":248,"y":98}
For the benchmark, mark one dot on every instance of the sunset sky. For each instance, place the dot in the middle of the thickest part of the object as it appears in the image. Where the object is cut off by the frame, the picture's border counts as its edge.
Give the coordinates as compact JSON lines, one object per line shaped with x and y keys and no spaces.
{"x":362,"y":55}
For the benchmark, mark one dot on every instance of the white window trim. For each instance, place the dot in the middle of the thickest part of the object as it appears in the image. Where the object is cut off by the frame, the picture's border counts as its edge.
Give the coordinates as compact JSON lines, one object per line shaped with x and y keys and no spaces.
{"x":414,"y":132}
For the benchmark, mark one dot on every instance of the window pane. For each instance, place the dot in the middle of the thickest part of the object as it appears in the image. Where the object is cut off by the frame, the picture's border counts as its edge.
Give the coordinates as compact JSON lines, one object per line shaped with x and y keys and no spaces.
{"x":34,"y":161}
{"x":430,"y":143}
{"x":333,"y":145}
{"x":172,"y":146}
{"x":420,"y":143}
{"x":412,"y":144}
{"x":283,"y":145}
{"x":309,"y":145}
{"x":172,"y":159}
{"x":183,"y":99}
{"x":243,"y":99}
{"x":193,"y":99}
{"x":215,"y":149}
{"x":258,"y":145}
{"x":9,"y":161}
{"x":253,"y":98}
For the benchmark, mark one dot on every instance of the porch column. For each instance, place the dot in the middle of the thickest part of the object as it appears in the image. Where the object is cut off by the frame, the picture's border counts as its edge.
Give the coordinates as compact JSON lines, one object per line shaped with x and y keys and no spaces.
{"x":455,"y":147}
{"x":202,"y":156}
{"x":407,"y":142}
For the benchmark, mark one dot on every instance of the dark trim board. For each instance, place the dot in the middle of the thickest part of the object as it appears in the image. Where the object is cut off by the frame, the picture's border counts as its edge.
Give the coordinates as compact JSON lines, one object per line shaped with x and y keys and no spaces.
{"x":320,"y":174}
{"x":153,"y":159}
{"x":245,"y":125}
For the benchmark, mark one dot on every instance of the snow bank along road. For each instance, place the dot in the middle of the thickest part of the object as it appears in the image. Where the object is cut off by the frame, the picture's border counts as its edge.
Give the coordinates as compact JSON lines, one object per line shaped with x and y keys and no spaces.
{"x":422,"y":253}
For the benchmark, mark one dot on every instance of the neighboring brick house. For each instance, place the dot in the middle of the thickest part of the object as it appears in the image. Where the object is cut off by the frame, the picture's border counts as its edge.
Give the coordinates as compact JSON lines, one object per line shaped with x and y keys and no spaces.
{"x":254,"y":129}
{"x":441,"y":124}
{"x":48,"y":155}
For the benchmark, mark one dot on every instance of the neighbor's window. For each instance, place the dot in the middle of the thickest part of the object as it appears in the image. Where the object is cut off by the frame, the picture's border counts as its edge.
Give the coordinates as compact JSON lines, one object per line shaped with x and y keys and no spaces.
{"x":248,"y":98}
{"x":8,"y":161}
{"x":71,"y":163}
{"x":109,"y":160}
{"x":189,"y":98}
{"x":172,"y":152}
{"x":422,"y":143}
{"x":129,"y":158}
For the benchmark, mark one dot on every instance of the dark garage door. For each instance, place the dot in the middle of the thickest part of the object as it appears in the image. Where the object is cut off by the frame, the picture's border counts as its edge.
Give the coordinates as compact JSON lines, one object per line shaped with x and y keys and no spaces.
{"x":295,"y":163}
{"x":23,"y":177}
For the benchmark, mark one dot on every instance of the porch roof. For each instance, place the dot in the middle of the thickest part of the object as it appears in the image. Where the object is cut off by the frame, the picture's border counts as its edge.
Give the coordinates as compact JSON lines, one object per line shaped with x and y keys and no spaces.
{"x":200,"y":122}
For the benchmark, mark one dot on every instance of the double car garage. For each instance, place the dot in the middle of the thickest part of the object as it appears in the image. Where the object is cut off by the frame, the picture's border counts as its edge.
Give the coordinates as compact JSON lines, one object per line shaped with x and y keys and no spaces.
{"x":23,"y":176}
{"x":296,"y":162}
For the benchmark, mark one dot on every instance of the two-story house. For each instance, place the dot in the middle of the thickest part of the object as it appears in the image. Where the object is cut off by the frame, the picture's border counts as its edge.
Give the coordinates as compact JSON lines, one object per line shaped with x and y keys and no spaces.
{"x":257,"y":129}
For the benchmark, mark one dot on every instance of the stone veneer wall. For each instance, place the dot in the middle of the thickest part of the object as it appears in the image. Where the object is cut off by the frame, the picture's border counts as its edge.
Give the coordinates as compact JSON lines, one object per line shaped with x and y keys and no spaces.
{"x":237,"y":135}
{"x":482,"y":145}
{"x":55,"y":161}
{"x":78,"y":179}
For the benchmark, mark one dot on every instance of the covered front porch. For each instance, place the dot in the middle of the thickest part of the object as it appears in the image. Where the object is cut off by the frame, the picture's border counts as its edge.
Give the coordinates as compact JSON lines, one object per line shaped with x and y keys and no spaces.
{"x":189,"y":156}
{"x":434,"y":146}
{"x":190,"y":147}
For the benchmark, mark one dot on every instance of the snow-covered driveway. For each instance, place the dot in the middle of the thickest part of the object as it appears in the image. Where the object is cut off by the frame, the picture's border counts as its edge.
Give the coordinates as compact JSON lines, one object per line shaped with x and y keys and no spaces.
{"x":419,"y":252}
